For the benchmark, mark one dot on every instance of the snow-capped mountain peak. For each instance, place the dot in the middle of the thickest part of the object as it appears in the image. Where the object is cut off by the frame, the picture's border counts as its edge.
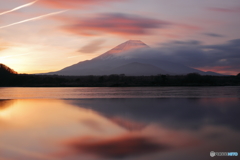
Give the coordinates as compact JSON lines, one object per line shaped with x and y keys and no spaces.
{"x":122,"y":48}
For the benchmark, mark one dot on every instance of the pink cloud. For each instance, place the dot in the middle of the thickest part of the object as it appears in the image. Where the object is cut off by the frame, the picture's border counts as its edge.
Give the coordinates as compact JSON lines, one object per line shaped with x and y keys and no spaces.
{"x":117,"y":24}
{"x":67,"y":4}
{"x":189,"y":27}
{"x":226,"y":10}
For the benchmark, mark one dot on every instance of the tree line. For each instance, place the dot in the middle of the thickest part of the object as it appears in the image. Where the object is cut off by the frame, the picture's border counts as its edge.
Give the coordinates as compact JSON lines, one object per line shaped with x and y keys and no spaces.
{"x":192,"y":79}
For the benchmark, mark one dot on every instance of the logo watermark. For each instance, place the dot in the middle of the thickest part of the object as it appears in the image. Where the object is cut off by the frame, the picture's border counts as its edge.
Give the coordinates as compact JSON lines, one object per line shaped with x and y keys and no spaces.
{"x":213,"y":154}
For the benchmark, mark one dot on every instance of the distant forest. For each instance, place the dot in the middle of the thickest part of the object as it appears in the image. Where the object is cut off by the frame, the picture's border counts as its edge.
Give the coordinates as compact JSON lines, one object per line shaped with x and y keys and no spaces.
{"x":192,"y":79}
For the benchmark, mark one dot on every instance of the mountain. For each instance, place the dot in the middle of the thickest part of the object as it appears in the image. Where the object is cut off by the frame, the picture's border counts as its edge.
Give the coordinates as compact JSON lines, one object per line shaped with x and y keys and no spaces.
{"x":137,"y":68}
{"x":120,"y":60}
{"x":5,"y":70}
{"x":124,"y":47}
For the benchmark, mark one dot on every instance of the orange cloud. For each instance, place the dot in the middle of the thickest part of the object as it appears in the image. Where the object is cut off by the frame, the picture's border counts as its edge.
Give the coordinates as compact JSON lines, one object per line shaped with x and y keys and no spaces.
{"x":115,"y":23}
{"x":68,"y":4}
{"x":4,"y":45}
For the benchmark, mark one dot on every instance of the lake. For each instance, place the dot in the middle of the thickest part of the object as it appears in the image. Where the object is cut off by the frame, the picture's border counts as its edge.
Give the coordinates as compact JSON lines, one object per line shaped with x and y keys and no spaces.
{"x":119,"y":123}
{"x":118,"y":92}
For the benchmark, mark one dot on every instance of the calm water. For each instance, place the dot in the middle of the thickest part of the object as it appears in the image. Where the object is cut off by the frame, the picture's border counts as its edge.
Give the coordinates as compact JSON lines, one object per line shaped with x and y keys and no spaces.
{"x":121,"y":92}
{"x":175,"y":123}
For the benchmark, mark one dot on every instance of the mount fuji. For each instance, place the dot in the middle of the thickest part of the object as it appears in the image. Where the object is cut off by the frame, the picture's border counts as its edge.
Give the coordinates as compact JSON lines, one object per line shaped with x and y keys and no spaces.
{"x":120,"y":60}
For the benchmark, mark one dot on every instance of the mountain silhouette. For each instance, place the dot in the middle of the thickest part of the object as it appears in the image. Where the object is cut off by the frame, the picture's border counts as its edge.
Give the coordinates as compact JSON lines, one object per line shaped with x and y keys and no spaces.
{"x":5,"y":70}
{"x":120,"y":60}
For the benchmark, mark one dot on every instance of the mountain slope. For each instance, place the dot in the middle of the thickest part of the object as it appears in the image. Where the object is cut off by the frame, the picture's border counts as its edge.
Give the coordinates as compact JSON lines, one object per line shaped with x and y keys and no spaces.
{"x":120,"y":60}
{"x":136,"y":68}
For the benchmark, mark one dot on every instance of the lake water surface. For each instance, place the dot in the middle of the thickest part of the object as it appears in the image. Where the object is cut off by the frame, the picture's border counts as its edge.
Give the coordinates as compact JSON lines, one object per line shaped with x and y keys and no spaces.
{"x":118,"y":92}
{"x":119,"y":123}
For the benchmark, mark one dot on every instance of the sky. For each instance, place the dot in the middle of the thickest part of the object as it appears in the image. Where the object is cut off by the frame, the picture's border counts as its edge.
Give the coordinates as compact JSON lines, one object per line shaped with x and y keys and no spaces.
{"x":48,"y":35}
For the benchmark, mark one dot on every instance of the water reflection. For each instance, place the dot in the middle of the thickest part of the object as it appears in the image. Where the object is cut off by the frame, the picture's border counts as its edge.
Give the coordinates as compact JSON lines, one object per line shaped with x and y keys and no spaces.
{"x":179,"y":113}
{"x":137,"y":129}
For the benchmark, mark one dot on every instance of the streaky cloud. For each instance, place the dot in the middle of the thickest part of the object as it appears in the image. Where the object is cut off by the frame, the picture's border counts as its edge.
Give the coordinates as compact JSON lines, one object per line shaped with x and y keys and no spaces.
{"x":19,"y":7}
{"x":4,"y":57}
{"x":32,"y":19}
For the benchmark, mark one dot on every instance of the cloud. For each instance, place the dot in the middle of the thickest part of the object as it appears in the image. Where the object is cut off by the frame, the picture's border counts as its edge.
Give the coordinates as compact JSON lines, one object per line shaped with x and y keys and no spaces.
{"x":116,"y":147}
{"x":17,"y":8}
{"x":223,"y":58}
{"x":68,"y":4}
{"x":4,"y":45}
{"x":189,"y":27}
{"x":213,"y":35}
{"x":115,"y":23}
{"x":92,"y":46}
{"x":33,"y":19}
{"x":225,"y":10}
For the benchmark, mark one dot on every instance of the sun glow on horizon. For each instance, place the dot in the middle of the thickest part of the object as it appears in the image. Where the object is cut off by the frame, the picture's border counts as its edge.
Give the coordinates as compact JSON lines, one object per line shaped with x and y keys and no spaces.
{"x":35,"y":59}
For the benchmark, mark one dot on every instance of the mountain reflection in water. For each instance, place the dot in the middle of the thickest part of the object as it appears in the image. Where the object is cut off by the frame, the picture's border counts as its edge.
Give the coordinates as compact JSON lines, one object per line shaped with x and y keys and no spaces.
{"x":102,"y":129}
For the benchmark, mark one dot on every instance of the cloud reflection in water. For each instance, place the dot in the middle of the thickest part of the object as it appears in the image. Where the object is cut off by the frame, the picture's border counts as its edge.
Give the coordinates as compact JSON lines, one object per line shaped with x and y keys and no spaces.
{"x":117,"y":128}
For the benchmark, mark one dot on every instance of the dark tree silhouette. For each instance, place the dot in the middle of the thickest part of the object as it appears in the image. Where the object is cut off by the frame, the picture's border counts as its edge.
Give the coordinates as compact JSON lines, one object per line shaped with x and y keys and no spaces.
{"x":5,"y":70}
{"x":9,"y":77}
